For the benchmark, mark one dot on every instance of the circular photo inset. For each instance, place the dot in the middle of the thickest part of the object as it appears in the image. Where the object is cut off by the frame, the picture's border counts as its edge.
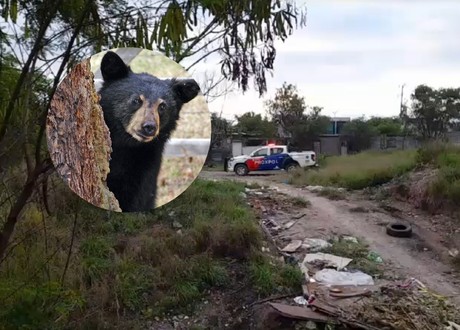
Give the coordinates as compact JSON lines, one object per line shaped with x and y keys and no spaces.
{"x":128,"y":130}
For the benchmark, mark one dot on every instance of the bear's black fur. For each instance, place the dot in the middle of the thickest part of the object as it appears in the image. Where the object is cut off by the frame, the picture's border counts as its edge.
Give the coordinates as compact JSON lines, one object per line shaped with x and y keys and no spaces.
{"x":141,"y":112}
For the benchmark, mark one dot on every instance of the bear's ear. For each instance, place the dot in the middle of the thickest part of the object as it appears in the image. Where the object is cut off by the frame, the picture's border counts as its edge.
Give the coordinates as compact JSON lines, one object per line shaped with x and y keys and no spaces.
{"x":113,"y":67}
{"x":185,"y":89}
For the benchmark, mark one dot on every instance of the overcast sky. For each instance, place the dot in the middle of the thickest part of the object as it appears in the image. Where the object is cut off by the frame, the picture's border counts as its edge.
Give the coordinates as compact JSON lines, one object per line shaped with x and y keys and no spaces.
{"x":353,"y":56}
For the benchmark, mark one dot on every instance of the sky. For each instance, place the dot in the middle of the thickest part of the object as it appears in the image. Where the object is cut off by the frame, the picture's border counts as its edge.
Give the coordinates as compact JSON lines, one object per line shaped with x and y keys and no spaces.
{"x":353,"y":56}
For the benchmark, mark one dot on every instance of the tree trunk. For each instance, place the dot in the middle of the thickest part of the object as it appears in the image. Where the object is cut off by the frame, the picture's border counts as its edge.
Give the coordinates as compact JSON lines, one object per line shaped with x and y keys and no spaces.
{"x":78,"y":138}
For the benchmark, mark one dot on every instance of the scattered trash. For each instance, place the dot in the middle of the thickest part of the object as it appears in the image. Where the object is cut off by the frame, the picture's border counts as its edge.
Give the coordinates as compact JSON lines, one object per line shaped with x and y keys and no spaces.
{"x":321,"y":188}
{"x":334,"y":277}
{"x":375,"y":257}
{"x":290,"y":224}
{"x":177,"y":225}
{"x":300,"y":300}
{"x":350,"y":239}
{"x":301,"y":313}
{"x":314,"y":188}
{"x":293,"y":246}
{"x":453,"y":253}
{"x":315,"y":244}
{"x":242,"y":194}
{"x":329,"y":259}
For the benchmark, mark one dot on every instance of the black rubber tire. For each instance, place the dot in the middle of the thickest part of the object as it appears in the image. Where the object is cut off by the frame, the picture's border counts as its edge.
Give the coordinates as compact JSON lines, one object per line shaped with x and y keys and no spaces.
{"x":244,"y":169}
{"x":291,"y":166}
{"x":399,"y":230}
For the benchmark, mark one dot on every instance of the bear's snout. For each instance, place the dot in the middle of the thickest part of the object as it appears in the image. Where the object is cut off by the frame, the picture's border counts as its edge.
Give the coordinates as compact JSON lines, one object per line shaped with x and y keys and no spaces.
{"x":149,"y":128}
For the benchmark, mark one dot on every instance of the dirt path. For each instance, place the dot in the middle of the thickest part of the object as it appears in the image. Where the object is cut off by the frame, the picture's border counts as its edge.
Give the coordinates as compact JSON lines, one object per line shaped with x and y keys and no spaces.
{"x":413,"y":257}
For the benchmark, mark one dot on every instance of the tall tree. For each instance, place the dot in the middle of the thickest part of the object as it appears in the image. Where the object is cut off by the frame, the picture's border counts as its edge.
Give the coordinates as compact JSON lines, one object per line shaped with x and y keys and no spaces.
{"x":288,"y":110}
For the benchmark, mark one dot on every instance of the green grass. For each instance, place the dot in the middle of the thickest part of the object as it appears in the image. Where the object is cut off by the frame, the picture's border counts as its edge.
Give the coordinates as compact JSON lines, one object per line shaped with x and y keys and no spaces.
{"x":269,"y":276}
{"x":359,"y":252}
{"x":358,"y":171}
{"x":136,"y":266}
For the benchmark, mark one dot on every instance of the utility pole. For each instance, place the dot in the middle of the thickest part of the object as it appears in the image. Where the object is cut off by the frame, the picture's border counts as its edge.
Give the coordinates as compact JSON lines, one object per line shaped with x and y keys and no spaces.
{"x":403,"y":116}
{"x":402,"y":94}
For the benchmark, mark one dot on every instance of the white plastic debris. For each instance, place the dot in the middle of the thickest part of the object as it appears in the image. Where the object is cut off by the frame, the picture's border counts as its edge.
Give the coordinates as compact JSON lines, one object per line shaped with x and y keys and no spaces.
{"x":334,"y":277}
{"x":453,"y":253}
{"x":293,"y":246}
{"x":350,"y":239}
{"x":330,"y":260}
{"x":315,"y":244}
{"x":300,"y":300}
{"x":314,"y":188}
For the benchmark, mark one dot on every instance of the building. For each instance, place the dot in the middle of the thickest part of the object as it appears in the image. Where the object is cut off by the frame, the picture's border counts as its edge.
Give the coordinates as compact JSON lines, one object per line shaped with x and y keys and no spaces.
{"x":336,"y":125}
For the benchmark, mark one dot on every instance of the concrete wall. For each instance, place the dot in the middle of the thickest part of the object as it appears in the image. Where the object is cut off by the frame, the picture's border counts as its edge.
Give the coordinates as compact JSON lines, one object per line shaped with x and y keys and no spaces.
{"x":330,"y":145}
{"x":399,"y":142}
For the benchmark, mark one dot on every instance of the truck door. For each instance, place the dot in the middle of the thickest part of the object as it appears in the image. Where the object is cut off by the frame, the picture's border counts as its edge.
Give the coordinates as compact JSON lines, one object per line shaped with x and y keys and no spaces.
{"x":274,"y":160}
{"x":255,"y":162}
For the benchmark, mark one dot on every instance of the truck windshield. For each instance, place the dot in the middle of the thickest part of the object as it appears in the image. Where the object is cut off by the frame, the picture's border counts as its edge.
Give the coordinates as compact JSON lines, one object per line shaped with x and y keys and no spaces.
{"x":275,"y":151}
{"x":260,"y":152}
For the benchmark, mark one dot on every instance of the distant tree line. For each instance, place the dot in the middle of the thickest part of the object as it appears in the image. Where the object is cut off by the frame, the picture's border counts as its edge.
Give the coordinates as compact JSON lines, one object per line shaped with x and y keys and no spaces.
{"x":430,"y":115}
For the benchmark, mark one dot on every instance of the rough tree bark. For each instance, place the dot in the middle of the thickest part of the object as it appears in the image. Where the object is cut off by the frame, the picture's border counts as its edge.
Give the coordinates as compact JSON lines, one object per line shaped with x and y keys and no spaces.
{"x":78,"y":138}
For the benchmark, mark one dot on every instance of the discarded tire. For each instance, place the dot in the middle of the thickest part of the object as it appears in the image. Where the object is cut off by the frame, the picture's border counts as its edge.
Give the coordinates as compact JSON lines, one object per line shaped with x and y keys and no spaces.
{"x":399,"y":230}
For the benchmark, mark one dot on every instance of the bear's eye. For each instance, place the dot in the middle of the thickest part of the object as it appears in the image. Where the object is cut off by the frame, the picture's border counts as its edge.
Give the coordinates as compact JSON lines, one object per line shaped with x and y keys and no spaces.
{"x":137,"y":101}
{"x":161,"y":107}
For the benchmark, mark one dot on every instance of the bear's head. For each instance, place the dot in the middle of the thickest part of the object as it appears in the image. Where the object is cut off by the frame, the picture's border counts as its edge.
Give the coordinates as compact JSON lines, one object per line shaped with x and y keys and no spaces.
{"x":139,"y":107}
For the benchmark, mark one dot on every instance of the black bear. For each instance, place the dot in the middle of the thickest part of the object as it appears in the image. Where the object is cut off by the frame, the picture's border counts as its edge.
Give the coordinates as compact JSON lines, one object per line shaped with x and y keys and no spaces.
{"x":141,"y":111}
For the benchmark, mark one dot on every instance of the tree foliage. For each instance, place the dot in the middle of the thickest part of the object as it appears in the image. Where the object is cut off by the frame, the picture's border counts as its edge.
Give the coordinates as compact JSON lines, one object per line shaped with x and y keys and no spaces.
{"x":387,"y":125}
{"x":359,"y":133}
{"x":252,"y":123}
{"x":288,"y":111}
{"x":434,"y":111}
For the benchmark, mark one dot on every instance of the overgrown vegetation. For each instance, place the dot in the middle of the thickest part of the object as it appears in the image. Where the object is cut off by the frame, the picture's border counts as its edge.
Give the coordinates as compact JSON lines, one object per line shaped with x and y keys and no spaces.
{"x":445,"y":189}
{"x":358,"y":171}
{"x":133,"y":266}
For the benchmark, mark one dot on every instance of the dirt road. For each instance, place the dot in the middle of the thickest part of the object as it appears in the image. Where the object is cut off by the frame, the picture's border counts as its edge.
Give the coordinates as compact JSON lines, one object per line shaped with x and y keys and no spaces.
{"x":421,"y":256}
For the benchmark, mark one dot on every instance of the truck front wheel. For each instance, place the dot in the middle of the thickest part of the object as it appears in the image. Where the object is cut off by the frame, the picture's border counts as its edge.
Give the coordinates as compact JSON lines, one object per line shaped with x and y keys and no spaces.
{"x":241,"y":169}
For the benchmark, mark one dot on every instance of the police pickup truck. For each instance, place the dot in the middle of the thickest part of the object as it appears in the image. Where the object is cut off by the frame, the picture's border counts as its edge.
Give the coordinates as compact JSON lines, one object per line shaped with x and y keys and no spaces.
{"x":271,"y":158}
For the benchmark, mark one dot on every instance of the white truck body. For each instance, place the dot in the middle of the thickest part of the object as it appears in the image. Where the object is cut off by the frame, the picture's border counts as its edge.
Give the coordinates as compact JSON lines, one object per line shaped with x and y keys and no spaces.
{"x":271,"y":158}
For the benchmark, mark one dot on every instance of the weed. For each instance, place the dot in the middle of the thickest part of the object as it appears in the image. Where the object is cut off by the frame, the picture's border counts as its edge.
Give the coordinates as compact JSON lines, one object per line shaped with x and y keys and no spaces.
{"x":332,"y":194}
{"x":268,"y":276}
{"x":253,"y":185}
{"x":299,"y":202}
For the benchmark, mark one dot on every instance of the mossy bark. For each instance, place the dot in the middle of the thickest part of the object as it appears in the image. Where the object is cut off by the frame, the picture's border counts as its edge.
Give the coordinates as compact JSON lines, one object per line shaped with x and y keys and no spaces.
{"x":78,"y":138}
